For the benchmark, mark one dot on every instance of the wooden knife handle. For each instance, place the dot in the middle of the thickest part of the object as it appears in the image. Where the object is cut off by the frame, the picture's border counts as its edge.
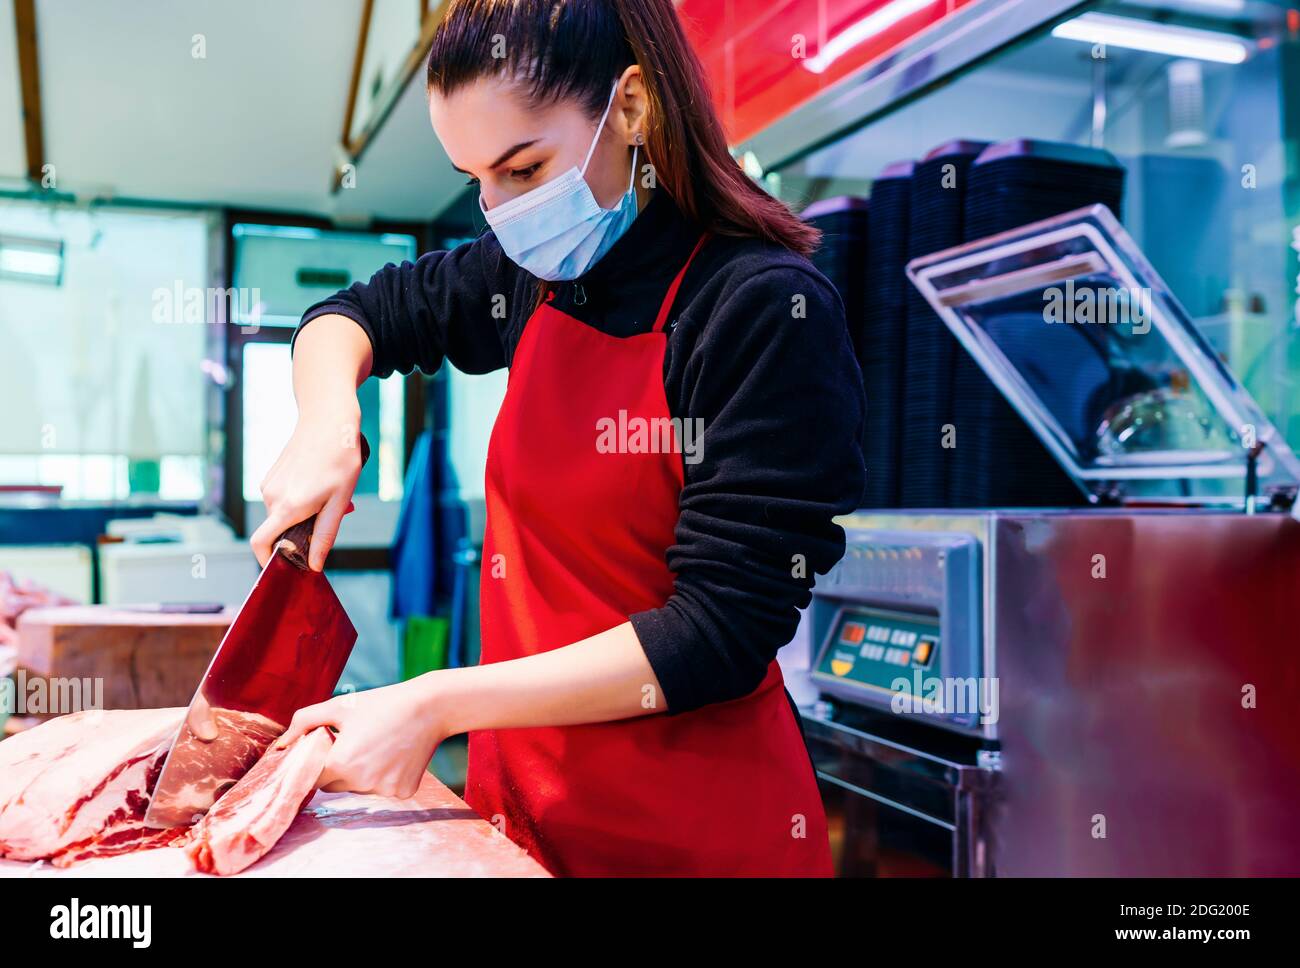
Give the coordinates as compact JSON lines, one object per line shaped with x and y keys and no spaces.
{"x":295,"y":543}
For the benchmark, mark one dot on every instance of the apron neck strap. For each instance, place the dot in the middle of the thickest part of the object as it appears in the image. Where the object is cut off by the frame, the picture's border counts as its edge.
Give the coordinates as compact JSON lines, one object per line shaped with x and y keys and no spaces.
{"x":662,"y":319}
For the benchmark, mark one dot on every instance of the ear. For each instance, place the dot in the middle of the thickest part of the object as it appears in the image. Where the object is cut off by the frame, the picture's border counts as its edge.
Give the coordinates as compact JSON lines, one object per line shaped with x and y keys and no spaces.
{"x":632,"y":106}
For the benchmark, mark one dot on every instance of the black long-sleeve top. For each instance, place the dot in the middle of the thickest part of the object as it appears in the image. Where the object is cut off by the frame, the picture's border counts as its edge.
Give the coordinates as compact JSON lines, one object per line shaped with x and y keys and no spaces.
{"x":758,"y":350}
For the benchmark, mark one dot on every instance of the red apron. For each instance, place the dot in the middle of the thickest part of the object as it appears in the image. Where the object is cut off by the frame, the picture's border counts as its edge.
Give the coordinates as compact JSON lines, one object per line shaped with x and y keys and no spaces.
{"x":576,"y":542}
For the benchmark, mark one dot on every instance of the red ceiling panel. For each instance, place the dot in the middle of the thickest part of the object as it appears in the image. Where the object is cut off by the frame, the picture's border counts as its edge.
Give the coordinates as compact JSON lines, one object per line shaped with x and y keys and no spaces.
{"x":766,"y":57}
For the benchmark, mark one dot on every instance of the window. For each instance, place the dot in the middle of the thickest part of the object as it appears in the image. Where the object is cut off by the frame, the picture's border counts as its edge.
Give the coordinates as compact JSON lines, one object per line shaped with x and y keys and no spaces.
{"x":101,"y":378}
{"x":269,"y":414}
{"x":279,"y":271}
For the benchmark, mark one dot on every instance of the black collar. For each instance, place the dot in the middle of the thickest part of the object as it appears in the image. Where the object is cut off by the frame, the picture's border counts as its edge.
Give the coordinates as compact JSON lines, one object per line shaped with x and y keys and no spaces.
{"x":621,"y":294}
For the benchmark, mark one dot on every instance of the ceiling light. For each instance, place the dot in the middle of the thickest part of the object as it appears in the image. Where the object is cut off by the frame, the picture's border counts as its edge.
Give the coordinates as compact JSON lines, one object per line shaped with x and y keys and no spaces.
{"x":31,"y":260}
{"x":864,"y":30}
{"x":1155,"y":38}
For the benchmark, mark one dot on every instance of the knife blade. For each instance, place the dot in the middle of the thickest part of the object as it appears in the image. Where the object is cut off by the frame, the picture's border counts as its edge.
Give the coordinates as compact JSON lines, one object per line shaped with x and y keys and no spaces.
{"x":285,"y":650}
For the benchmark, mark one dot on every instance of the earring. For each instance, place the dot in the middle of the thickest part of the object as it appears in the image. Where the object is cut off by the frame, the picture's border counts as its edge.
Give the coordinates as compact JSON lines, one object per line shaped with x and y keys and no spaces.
{"x":640,"y":139}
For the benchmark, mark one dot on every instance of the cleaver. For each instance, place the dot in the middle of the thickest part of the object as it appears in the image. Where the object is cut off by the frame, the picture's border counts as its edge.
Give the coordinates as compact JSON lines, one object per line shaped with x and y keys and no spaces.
{"x":285,"y":650}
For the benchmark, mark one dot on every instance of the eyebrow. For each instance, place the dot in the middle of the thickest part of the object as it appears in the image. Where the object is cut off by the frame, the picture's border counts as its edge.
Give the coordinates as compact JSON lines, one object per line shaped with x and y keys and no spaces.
{"x":510,"y":153}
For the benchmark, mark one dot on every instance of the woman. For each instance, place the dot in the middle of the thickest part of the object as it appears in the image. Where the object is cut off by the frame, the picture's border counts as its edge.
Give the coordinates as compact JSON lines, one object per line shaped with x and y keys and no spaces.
{"x":681,"y":426}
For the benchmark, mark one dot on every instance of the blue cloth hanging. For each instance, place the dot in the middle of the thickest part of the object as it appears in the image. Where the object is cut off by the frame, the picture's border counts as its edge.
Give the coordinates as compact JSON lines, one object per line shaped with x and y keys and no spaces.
{"x":415,"y":545}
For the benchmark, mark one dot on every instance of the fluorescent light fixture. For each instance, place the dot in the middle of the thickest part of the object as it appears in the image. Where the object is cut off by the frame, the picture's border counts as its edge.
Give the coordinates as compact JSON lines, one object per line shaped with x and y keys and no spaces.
{"x":1155,"y":38}
{"x":862,"y":31}
{"x":31,"y":260}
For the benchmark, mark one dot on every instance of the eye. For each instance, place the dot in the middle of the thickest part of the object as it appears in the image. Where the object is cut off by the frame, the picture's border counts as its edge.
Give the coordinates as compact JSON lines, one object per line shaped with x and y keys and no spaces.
{"x":523,"y":174}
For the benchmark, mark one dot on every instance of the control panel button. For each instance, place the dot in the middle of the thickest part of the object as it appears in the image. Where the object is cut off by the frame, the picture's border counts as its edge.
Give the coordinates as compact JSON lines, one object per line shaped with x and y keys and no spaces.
{"x":924,"y":649}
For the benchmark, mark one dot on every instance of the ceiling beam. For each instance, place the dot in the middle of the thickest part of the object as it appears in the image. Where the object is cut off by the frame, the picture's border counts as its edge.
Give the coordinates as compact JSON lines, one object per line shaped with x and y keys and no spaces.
{"x":29,"y":79}
{"x":353,"y":148}
{"x":354,"y":87}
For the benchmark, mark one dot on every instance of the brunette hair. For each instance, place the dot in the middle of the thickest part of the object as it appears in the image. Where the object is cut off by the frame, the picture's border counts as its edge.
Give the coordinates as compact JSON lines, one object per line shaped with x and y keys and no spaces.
{"x":573,"y":49}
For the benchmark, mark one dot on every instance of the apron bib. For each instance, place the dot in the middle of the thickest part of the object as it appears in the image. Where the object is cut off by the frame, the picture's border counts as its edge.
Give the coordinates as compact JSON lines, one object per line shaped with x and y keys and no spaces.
{"x":575,"y":543}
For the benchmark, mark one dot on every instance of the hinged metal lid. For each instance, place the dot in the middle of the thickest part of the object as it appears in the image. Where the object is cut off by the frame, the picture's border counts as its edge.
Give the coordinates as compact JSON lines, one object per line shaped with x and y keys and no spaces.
{"x":1088,"y":344}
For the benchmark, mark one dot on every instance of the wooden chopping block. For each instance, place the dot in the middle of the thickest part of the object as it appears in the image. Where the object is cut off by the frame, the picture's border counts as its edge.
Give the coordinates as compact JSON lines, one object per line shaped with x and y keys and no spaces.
{"x":140,"y":660}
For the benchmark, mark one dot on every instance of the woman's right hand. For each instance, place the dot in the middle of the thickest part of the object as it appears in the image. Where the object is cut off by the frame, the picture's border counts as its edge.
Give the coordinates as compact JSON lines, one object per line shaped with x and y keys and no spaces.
{"x":316,"y":473}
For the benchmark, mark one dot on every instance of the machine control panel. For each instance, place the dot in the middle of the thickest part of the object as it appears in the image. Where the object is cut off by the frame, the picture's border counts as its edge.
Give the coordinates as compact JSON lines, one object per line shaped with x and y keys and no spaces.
{"x":897,"y":626}
{"x":882,"y":651}
{"x":871,"y":646}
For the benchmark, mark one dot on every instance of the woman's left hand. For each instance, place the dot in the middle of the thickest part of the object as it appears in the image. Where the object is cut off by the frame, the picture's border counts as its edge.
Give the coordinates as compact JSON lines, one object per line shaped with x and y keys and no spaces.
{"x":384,"y":738}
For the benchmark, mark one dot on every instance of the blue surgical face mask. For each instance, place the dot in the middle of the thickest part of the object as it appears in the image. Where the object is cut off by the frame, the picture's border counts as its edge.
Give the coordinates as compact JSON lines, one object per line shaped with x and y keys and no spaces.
{"x":558,"y":230}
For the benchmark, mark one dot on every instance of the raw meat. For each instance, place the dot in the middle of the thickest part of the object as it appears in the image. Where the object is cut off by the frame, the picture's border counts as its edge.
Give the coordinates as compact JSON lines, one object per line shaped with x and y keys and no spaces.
{"x":201,"y":771}
{"x":16,"y":596}
{"x":78,"y":785}
{"x":248,"y":821}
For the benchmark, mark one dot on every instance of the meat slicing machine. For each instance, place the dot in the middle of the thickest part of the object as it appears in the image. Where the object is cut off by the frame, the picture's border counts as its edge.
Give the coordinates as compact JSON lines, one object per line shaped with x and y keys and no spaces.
{"x":1106,"y":690}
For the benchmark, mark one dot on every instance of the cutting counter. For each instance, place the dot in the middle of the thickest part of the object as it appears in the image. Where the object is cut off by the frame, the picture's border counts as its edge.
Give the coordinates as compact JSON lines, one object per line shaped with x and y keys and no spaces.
{"x":433,"y":834}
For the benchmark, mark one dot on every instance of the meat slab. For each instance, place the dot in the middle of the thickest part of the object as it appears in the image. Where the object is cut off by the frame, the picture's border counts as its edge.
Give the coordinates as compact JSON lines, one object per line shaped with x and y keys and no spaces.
{"x":342,"y":835}
{"x":252,"y":817}
{"x":77,"y":787}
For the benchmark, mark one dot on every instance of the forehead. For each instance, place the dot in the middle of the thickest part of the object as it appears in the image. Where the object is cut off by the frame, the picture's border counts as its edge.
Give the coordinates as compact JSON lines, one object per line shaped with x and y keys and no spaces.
{"x":482,"y":120}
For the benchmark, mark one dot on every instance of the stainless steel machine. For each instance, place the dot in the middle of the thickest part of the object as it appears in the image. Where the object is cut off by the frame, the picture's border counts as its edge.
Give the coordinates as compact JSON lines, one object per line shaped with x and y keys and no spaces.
{"x":1100,"y":691}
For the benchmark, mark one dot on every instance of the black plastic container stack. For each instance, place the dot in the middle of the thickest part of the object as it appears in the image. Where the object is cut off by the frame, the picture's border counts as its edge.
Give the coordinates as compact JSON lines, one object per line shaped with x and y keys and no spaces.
{"x":935,"y":221}
{"x":884,"y":331}
{"x":842,"y":256}
{"x":999,"y":461}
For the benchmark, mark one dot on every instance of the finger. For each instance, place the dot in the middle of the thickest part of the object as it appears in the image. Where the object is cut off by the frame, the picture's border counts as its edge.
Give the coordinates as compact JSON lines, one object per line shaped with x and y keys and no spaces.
{"x":202,"y":723}
{"x":329,"y":776}
{"x":267,"y":533}
{"x":338,"y":777}
{"x":270,"y":475}
{"x":332,"y":780}
{"x":307,"y":719}
{"x":326,"y":531}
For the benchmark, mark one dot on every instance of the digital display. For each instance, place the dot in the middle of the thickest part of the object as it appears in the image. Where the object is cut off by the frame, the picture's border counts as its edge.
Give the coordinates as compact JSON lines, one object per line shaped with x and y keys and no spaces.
{"x":853,"y":633}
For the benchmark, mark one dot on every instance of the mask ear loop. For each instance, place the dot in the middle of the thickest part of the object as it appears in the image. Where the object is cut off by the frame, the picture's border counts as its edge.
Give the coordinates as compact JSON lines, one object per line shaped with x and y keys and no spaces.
{"x":600,"y":128}
{"x":631,"y":182}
